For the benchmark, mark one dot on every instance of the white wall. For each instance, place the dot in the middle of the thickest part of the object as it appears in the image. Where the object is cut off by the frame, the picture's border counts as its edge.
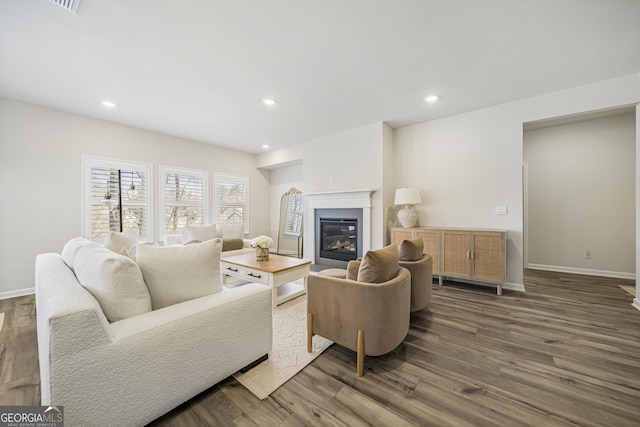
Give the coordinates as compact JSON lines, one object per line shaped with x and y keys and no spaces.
{"x":581,"y":196}
{"x":351,"y":160}
{"x":40,"y":173}
{"x":468,"y":164}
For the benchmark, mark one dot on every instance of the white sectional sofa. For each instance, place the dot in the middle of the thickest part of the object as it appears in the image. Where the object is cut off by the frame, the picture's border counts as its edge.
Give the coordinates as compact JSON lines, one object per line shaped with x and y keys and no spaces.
{"x":129,"y":372}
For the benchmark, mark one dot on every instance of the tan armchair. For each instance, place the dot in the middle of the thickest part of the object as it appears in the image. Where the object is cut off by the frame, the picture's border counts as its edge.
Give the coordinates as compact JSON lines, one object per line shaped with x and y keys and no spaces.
{"x":421,"y":281}
{"x":369,"y":318}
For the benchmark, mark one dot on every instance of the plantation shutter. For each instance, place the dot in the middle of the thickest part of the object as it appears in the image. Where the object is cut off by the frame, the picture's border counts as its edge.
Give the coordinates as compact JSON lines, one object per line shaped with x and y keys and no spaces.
{"x":293,"y":225}
{"x":185,"y":201}
{"x":119,"y":201}
{"x":231,"y":200}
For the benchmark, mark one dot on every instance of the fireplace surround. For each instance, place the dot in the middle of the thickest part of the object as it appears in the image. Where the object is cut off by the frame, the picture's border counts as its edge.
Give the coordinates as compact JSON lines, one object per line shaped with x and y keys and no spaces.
{"x":342,"y":202}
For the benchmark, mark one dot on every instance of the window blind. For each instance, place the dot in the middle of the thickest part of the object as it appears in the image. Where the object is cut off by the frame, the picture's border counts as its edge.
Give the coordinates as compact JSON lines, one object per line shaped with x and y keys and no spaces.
{"x":293,"y":225}
{"x":231,"y":200}
{"x":185,"y":200}
{"x":118,"y":200}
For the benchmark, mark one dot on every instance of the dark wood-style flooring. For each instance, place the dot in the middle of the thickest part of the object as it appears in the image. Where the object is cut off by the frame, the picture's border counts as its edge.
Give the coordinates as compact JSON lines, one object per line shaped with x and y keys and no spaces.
{"x":565,"y":353}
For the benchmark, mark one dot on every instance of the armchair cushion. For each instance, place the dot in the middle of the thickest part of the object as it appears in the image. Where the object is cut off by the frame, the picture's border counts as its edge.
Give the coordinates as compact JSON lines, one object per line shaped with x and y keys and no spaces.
{"x":352,"y":269}
{"x":411,"y":250}
{"x":379,"y":266}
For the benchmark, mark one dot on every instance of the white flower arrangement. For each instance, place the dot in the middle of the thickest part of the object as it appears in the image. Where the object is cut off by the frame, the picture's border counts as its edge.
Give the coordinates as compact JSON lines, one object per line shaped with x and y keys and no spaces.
{"x":261,"y":242}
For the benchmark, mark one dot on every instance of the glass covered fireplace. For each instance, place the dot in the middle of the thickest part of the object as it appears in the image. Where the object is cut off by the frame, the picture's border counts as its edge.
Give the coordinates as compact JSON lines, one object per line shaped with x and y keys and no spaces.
{"x":339,"y":238}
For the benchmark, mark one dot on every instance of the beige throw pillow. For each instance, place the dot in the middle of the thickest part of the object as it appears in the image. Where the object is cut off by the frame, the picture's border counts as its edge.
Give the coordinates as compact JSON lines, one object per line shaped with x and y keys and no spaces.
{"x":379,"y":266}
{"x":175,"y":274}
{"x":411,"y":250}
{"x":114,"y":280}
{"x":232,"y":244}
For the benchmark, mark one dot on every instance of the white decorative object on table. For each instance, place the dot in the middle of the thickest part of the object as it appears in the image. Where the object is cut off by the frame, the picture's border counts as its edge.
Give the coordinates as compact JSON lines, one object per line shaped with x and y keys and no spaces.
{"x":408,"y":197}
{"x":262,"y":244}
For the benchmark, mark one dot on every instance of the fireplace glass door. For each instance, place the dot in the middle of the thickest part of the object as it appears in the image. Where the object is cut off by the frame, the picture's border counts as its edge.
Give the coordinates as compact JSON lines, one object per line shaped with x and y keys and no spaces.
{"x":339,"y":238}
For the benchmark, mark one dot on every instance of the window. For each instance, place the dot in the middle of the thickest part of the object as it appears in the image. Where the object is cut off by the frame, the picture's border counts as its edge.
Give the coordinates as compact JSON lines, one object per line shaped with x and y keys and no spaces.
{"x":295,"y":214}
{"x":117,"y":198}
{"x":184,"y":199}
{"x":232,"y":195}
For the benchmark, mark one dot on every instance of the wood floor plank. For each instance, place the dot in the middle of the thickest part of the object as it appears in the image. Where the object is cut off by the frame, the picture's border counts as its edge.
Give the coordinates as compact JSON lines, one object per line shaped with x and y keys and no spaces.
{"x":312,"y":408}
{"x":564,"y":353}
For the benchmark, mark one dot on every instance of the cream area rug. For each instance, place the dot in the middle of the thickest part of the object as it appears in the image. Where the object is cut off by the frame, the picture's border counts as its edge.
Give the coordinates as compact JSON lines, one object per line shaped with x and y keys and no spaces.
{"x":1,"y":320}
{"x":289,"y":353}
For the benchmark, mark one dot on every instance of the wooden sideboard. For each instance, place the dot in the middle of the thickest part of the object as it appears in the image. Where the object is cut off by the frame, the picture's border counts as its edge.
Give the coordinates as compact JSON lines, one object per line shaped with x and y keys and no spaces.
{"x":472,"y":254}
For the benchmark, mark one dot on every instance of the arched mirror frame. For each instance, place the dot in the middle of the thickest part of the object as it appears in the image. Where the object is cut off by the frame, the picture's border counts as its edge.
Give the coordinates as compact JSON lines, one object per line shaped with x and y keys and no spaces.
{"x":290,"y":225}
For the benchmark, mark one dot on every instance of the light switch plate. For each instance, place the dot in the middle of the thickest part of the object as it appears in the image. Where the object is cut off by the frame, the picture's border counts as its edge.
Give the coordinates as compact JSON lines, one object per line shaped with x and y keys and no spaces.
{"x":501,"y":210}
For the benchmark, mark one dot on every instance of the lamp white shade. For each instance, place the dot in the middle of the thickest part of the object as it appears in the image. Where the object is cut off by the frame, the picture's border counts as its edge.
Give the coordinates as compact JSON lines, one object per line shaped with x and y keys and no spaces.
{"x":408,"y":216}
{"x":407,"y":196}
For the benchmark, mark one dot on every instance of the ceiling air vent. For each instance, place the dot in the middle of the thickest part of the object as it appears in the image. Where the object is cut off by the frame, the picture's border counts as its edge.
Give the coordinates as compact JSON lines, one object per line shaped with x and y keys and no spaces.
{"x":70,"y":5}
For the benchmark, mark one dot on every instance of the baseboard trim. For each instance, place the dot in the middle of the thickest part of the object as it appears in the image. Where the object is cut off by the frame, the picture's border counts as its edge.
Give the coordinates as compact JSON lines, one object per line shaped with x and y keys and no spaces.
{"x":519,"y":287}
{"x":636,"y":304}
{"x":585,"y":271}
{"x":17,"y":293}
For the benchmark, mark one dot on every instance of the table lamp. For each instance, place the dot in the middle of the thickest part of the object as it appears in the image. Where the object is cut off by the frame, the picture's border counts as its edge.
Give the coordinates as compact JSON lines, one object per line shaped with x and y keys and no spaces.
{"x":408,"y":197}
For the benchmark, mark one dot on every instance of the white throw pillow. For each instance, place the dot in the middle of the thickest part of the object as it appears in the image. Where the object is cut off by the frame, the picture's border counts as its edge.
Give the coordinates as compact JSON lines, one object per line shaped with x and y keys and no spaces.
{"x":71,"y":248}
{"x":119,"y":241}
{"x":114,"y":280}
{"x":175,"y":274}
{"x":231,"y":231}
{"x":201,"y":233}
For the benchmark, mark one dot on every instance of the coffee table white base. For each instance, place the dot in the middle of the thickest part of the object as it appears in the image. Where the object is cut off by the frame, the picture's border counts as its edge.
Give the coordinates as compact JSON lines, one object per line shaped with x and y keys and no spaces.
{"x":286,"y":285}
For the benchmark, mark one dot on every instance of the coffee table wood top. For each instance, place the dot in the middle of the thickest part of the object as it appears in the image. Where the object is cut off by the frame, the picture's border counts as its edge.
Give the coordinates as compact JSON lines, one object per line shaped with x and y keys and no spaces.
{"x":276,"y":263}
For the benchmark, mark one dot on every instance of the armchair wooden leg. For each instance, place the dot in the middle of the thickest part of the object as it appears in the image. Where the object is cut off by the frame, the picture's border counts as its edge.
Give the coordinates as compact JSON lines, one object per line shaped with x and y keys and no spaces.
{"x":309,"y":331}
{"x":360,"y":355}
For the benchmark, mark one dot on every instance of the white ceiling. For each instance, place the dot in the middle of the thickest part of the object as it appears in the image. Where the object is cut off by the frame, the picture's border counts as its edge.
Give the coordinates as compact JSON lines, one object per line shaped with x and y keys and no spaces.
{"x":199,"y":69}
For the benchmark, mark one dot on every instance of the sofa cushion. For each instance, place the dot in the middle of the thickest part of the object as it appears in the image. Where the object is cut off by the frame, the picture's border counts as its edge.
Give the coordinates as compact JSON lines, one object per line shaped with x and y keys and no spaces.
{"x":71,"y":248}
{"x":231,"y":231}
{"x":232,"y":244}
{"x":118,"y":241}
{"x":411,"y":250}
{"x":201,"y":233}
{"x":175,"y":274}
{"x":114,"y":280}
{"x":379,"y":266}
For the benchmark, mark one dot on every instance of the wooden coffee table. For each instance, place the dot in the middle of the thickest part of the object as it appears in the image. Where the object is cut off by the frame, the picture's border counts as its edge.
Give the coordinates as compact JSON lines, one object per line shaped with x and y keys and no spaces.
{"x":278,"y":273}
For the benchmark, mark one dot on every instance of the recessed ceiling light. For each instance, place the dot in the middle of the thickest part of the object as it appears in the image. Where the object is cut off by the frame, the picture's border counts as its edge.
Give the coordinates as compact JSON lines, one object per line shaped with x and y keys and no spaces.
{"x":109,"y":104}
{"x":265,"y":146}
{"x":431,"y":98}
{"x":268,"y":101}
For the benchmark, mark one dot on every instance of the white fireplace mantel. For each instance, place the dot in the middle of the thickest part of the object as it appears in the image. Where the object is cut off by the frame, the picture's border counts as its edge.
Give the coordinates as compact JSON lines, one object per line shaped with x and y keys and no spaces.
{"x":354,"y":199}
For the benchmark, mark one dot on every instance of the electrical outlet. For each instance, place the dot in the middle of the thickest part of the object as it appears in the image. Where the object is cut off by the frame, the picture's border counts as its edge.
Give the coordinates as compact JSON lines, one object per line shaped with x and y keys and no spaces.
{"x":587,"y":254}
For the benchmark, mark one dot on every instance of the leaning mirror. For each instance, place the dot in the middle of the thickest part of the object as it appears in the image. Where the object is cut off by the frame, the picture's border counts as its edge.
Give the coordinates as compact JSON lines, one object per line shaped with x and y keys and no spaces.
{"x":290,"y":225}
